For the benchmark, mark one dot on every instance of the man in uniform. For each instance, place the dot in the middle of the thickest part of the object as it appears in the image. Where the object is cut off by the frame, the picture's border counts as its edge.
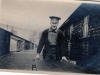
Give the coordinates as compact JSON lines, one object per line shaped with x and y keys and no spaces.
{"x":52,"y":40}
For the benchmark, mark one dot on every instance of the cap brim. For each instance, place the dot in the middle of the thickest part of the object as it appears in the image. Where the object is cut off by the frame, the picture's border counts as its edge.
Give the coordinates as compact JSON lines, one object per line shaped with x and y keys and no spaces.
{"x":58,"y":18}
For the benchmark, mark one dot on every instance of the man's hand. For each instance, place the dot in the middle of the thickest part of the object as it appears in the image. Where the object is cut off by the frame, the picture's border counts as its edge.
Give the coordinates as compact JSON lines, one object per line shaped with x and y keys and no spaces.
{"x":64,"y":58}
{"x":37,"y":56}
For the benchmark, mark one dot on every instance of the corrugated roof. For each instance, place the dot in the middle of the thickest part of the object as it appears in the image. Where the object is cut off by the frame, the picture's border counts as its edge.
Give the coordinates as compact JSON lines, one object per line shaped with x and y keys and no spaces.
{"x":15,"y":35}
{"x":93,"y":10}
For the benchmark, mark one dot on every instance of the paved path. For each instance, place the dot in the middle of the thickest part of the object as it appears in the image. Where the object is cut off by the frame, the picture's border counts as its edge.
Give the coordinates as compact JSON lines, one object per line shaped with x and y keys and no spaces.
{"x":18,"y":60}
{"x":57,"y":66}
{"x":23,"y":61}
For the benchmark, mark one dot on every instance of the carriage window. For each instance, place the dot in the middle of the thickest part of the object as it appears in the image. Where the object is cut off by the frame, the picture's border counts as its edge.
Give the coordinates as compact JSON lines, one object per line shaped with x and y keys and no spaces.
{"x":85,"y":26}
{"x":71,"y":29}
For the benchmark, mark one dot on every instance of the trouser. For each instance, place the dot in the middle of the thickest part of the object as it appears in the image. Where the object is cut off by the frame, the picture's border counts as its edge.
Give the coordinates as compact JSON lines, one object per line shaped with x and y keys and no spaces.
{"x":51,"y":53}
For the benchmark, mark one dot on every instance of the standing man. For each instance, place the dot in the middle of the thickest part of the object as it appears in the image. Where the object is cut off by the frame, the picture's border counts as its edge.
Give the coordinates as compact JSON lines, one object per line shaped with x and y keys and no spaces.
{"x":52,"y":42}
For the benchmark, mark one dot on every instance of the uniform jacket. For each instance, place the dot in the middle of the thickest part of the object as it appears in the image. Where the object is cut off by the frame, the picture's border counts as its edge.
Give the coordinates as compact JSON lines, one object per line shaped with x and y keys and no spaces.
{"x":44,"y":43}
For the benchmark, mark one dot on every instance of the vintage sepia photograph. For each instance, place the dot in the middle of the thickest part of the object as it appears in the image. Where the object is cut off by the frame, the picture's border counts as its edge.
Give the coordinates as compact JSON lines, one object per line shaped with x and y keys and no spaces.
{"x":50,"y":36}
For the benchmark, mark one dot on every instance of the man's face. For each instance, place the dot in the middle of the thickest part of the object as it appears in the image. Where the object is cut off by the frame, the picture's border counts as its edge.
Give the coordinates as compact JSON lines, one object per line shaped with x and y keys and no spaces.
{"x":54,"y":23}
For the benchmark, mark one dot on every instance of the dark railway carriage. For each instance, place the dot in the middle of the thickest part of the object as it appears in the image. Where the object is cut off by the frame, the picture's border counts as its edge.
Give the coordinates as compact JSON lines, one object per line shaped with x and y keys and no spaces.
{"x":18,"y":43}
{"x":4,"y":42}
{"x":82,"y":36}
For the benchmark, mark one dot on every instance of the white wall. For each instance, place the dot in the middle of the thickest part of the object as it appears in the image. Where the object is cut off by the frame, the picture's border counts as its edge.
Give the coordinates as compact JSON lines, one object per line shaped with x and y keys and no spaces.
{"x":13,"y":45}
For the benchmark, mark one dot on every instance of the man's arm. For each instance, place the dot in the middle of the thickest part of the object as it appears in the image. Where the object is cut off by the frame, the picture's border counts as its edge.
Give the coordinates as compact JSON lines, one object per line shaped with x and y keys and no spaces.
{"x":40,"y":46}
{"x":41,"y":43}
{"x":63,"y":50}
{"x":63,"y":44}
